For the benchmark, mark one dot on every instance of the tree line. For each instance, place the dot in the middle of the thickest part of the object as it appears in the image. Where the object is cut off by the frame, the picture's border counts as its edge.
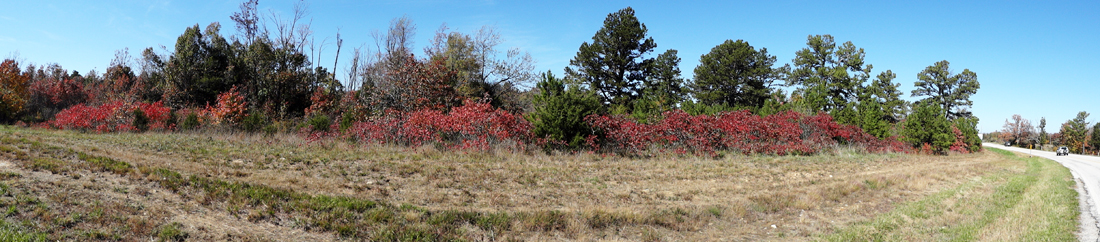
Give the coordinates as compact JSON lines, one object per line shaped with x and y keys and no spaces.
{"x":1076,"y":134}
{"x":271,"y":64}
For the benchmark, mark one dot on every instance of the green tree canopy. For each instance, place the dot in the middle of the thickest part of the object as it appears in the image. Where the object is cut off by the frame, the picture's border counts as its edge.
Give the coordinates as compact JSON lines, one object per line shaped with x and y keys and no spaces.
{"x":1075,"y":131}
{"x":828,"y":76}
{"x":735,"y":74}
{"x":664,"y":85}
{"x":884,"y":91}
{"x":927,"y":125}
{"x":560,"y":111}
{"x":614,"y":65}
{"x":950,"y":91}
{"x":1044,"y":138}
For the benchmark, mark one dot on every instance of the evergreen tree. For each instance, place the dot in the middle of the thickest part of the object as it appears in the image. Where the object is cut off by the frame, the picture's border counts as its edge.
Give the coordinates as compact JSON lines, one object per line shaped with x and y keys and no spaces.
{"x":1044,"y":138}
{"x":969,"y":128}
{"x":871,"y":118}
{"x":614,"y":65}
{"x":560,"y":111}
{"x":949,"y":91}
{"x":886,"y":92}
{"x":1075,"y":131}
{"x":664,"y":85}
{"x":927,"y":125}
{"x":821,"y":70}
{"x":735,"y":74}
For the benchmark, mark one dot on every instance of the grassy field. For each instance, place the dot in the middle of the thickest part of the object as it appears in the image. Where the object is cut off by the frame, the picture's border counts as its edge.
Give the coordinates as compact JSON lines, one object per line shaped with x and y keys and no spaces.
{"x":63,"y":185}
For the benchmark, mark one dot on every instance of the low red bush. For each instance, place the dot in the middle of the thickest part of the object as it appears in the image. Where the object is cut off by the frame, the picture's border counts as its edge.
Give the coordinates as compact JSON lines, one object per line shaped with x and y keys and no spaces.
{"x":475,"y":125}
{"x":111,"y":117}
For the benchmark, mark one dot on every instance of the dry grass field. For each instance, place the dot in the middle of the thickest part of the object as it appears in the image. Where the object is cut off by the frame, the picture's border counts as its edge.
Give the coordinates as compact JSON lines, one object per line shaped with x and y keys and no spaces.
{"x":63,"y":185}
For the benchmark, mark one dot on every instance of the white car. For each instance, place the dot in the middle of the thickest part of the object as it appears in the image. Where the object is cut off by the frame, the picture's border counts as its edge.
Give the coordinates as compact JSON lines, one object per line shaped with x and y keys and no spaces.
{"x":1062,"y":151}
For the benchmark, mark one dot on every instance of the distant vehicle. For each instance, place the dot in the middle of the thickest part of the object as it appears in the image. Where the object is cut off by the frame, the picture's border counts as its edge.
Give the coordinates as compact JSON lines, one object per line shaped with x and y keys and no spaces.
{"x":1008,"y":143}
{"x":1062,"y":151}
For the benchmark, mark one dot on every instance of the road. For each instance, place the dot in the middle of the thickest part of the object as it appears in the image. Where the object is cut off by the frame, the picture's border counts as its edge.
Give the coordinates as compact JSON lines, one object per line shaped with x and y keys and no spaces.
{"x":1086,"y":171}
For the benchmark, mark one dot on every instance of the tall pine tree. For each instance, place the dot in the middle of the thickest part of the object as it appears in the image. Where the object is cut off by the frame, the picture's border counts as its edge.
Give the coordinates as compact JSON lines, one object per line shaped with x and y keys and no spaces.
{"x":614,"y":64}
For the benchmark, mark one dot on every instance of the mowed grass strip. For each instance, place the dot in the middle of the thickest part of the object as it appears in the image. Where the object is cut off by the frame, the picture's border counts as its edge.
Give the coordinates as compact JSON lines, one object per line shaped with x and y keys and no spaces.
{"x":1034,"y":200}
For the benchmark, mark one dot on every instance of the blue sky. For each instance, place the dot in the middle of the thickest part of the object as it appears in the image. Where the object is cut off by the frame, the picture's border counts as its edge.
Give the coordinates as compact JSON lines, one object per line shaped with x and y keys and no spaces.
{"x":1033,"y":59}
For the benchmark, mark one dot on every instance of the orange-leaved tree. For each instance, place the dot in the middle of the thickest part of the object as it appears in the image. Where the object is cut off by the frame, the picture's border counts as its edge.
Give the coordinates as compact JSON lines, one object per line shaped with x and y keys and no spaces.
{"x":13,"y":89}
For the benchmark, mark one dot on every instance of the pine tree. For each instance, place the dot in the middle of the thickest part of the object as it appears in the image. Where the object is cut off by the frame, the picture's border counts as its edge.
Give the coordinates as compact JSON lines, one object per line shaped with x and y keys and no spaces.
{"x":736,"y":75}
{"x":614,"y":65}
{"x":560,"y":111}
{"x":927,"y":125}
{"x":949,"y":91}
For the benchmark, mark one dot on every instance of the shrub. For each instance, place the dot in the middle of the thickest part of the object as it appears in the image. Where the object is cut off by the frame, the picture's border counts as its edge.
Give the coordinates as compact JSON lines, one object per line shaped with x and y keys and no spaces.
{"x":475,"y":125}
{"x":114,"y":116}
{"x":191,"y":122}
{"x":787,"y":132}
{"x":559,"y":112}
{"x":320,"y":123}
{"x":928,"y":125}
{"x":230,"y":108}
{"x":253,"y":122}
{"x":346,"y":120}
{"x":141,"y":122}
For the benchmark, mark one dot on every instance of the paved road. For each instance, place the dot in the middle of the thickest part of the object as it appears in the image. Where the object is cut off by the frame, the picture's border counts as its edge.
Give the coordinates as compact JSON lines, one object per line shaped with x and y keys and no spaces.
{"x":1086,"y":170}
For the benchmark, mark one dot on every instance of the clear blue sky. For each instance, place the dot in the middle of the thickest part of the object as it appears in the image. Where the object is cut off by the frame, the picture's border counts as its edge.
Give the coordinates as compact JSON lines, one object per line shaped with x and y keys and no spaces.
{"x":1036,"y":59}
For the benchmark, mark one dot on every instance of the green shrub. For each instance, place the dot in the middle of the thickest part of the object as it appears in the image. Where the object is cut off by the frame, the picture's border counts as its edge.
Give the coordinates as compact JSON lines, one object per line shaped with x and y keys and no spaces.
{"x":346,"y":120}
{"x":141,"y":121}
{"x":191,"y":122}
{"x":270,"y":129}
{"x":253,"y":122}
{"x":173,"y":119}
{"x":928,"y":125}
{"x":559,"y":113}
{"x":172,"y":232}
{"x":320,"y":123}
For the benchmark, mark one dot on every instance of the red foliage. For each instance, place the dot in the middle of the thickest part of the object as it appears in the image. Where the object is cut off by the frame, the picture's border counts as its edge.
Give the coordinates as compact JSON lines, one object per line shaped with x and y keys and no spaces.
{"x":784,"y":133}
{"x":110,"y":117}
{"x":58,"y":93}
{"x":13,"y":89}
{"x":960,"y":144}
{"x":230,"y":109}
{"x":475,"y":125}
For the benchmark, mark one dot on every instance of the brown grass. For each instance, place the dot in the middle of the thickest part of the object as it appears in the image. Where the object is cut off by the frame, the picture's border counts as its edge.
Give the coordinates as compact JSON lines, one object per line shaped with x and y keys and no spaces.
{"x":535,"y":197}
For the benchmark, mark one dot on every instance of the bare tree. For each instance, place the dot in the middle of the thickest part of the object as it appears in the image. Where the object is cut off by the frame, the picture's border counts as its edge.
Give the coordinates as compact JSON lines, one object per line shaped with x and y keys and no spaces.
{"x":247,"y":20}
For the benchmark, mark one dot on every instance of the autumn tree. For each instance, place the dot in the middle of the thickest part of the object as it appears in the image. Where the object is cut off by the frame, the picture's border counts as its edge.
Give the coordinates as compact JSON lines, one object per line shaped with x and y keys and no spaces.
{"x":13,"y":89}
{"x":614,"y":64}
{"x":939,"y":86}
{"x":481,"y":69}
{"x":1016,"y":129}
{"x":735,"y":74}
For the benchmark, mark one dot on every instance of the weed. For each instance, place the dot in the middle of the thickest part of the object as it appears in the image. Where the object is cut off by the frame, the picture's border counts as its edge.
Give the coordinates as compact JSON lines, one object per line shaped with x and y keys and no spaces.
{"x":172,"y":232}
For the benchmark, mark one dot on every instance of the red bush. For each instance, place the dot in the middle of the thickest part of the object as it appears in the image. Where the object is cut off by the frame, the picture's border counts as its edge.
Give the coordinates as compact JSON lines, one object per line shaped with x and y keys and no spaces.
{"x":475,"y":125}
{"x":110,"y":117}
{"x":783,"y":133}
{"x":230,"y":109}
